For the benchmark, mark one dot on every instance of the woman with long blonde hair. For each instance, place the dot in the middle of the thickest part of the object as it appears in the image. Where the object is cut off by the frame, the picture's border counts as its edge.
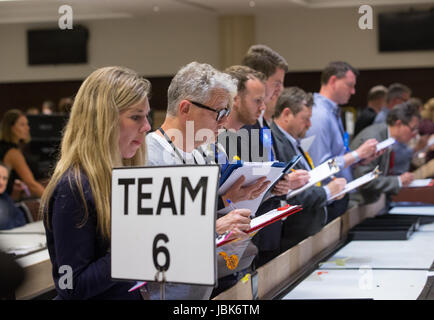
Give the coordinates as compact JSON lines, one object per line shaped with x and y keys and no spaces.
{"x":106,"y":129}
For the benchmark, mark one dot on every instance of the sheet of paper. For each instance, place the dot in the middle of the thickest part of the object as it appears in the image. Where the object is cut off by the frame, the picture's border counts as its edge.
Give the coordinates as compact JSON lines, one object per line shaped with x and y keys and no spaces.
{"x":385,"y":144}
{"x":318,"y":174}
{"x":356,"y":183}
{"x":416,"y":210}
{"x":251,"y":171}
{"x":306,"y":143}
{"x":421,"y":183}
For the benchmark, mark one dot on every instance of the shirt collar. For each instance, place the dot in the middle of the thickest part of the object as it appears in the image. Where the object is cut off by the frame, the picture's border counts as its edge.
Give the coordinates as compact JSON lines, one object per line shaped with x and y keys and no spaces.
{"x":291,"y":139}
{"x":333,"y":106}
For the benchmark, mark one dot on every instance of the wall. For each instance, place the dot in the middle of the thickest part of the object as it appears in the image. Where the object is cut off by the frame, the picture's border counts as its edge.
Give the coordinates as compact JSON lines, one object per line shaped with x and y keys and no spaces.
{"x":309,"y":39}
{"x":157,"y":45}
{"x":153,"y":46}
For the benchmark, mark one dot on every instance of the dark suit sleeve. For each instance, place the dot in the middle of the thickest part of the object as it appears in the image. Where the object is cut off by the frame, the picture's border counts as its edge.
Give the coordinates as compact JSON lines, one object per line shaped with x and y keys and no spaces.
{"x":386,"y":184}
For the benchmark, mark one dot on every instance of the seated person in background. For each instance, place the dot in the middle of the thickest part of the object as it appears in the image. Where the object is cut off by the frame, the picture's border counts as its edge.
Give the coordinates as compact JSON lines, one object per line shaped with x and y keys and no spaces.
{"x":396,"y":93}
{"x":290,"y":123}
{"x":376,"y":101}
{"x":14,"y":130}
{"x":426,"y":127}
{"x":106,"y":129}
{"x":48,"y":107}
{"x":10,"y":215}
{"x":402,"y":125}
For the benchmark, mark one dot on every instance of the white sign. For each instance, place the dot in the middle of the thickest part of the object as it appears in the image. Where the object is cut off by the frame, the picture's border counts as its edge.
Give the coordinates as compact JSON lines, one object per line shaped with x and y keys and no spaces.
{"x":163,"y":218}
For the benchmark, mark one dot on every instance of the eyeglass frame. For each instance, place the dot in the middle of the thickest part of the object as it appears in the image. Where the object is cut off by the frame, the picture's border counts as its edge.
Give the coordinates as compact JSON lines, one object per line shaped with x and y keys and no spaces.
{"x":220,"y":114}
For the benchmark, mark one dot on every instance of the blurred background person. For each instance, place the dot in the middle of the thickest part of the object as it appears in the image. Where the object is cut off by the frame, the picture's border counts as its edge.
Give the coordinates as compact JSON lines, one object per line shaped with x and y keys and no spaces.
{"x":10,"y":215}
{"x":14,"y":132}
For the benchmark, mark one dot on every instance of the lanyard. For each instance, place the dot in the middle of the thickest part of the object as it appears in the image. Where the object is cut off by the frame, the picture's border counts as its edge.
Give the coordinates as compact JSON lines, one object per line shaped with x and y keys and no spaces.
{"x":174,"y":148}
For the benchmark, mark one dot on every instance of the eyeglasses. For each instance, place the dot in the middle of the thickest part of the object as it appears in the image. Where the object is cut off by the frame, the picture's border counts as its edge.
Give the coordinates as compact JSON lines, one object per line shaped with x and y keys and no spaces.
{"x":220,"y":114}
{"x":414,"y":130}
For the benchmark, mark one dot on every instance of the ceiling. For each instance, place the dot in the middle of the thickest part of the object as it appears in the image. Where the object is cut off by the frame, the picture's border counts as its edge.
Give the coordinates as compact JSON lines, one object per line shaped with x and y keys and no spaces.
{"x":32,"y":11}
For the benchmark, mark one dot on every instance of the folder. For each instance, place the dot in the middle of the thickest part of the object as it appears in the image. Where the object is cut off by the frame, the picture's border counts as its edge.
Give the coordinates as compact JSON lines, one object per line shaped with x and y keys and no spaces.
{"x":252,"y":171}
{"x":358,"y":182}
{"x":319,"y":173}
{"x":264,"y":220}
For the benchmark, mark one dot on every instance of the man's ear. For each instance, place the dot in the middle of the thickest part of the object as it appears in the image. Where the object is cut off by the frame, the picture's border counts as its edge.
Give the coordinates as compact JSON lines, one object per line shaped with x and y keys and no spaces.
{"x":184,"y":108}
{"x":237,"y":101}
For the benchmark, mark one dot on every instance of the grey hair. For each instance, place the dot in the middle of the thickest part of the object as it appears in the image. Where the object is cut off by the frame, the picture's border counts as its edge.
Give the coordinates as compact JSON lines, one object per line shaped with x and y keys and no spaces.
{"x":197,"y":81}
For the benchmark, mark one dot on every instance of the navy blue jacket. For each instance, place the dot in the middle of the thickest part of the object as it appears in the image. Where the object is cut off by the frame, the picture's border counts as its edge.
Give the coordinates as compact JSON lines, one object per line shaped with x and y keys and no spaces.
{"x":80,"y":247}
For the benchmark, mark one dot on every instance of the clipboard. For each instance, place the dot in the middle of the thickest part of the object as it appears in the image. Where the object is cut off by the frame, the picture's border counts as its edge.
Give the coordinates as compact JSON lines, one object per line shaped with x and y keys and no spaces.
{"x":319,"y":173}
{"x":358,"y":182}
{"x":262,"y":221}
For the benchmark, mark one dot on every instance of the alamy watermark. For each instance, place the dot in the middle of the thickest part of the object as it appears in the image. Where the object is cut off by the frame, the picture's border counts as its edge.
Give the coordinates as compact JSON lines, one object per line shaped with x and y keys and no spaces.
{"x":66,"y":18}
{"x":366,"y":20}
{"x":66,"y":280}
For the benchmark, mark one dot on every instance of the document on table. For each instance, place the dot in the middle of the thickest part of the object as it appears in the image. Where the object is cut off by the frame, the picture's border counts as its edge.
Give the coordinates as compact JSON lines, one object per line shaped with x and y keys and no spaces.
{"x":323,"y":171}
{"x":413,"y":210}
{"x":385,"y":144}
{"x":421,"y":183}
{"x":358,"y":182}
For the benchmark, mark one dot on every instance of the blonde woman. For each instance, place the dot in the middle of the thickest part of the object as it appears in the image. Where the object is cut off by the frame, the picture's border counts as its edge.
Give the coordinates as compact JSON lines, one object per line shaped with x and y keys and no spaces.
{"x":14,"y":130}
{"x":106,"y":129}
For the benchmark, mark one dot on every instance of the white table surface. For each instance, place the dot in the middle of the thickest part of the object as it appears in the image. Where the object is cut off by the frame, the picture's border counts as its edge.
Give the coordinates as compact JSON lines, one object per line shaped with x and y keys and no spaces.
{"x":380,"y":270}
{"x":361,"y":284}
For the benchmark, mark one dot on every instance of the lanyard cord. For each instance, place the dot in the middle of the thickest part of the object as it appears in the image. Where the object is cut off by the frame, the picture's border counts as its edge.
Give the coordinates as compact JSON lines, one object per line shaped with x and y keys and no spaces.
{"x":174,"y":148}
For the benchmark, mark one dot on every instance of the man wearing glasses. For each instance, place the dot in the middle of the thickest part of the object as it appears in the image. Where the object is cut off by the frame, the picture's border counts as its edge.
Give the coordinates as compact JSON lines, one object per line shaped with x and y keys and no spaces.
{"x":199,"y":101}
{"x":402,"y":125}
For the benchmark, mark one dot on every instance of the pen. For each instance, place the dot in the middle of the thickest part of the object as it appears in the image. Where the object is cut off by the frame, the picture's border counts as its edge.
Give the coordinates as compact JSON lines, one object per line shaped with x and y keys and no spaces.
{"x":292,"y":169}
{"x":230,"y":204}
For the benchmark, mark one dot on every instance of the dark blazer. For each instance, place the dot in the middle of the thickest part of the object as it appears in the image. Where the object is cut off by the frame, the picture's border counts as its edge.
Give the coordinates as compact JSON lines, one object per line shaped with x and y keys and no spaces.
{"x":371,"y":191}
{"x":268,"y":238}
{"x":311,"y":219}
{"x":366,"y":118}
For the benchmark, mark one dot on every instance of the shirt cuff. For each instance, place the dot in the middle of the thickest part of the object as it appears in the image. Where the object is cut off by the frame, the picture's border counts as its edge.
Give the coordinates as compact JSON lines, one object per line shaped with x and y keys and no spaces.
{"x":399,"y":181}
{"x":340,"y":161}
{"x":327,"y":191}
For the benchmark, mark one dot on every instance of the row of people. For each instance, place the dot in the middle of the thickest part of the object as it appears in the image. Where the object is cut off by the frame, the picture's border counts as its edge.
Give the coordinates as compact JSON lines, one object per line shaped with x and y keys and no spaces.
{"x":107,"y":128}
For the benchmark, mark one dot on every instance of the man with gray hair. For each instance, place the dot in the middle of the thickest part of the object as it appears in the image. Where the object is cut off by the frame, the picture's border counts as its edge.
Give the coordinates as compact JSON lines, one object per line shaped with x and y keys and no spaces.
{"x":402,"y":125}
{"x":199,"y":101}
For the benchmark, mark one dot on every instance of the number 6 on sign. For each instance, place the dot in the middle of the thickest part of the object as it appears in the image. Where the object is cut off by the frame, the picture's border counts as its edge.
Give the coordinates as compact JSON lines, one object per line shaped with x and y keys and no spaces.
{"x":162,"y":219}
{"x":156,"y":250}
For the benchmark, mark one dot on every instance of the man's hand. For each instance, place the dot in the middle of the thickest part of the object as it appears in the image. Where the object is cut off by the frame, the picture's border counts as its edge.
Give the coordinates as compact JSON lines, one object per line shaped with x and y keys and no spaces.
{"x":336,"y":186}
{"x":237,"y":221}
{"x":406,"y":178}
{"x":367,"y":149}
{"x":291,"y":181}
{"x":237,"y":192}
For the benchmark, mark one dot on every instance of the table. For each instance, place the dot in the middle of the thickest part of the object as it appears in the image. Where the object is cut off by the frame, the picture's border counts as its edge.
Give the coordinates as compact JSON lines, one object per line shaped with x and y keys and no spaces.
{"x":29,"y":243}
{"x":380,"y":270}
